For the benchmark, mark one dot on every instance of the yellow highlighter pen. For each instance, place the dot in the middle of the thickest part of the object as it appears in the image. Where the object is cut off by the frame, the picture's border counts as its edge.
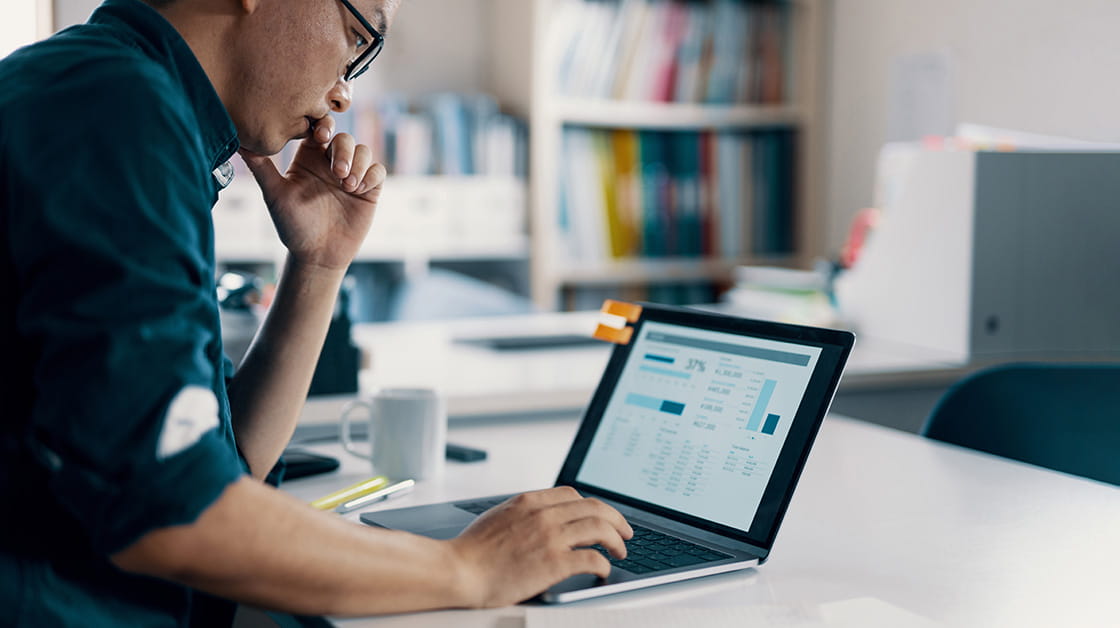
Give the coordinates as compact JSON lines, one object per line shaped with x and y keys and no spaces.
{"x":365,"y":487}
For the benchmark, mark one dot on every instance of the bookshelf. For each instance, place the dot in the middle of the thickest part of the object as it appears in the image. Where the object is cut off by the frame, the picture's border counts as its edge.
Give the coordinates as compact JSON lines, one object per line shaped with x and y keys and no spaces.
{"x":517,"y":57}
{"x":557,"y":113}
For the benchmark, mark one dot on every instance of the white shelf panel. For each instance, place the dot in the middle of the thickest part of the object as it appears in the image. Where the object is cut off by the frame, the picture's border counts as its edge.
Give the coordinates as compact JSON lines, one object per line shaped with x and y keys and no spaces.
{"x":503,"y":251}
{"x":649,"y":115}
{"x":419,"y":219}
{"x":658,"y":270}
{"x":512,"y":250}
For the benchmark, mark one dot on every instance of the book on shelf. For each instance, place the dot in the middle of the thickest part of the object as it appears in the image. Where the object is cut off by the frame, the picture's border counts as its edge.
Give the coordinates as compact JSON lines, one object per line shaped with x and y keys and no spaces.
{"x":627,"y":190}
{"x":772,"y":162}
{"x":693,"y":54}
{"x":583,"y":218}
{"x":657,"y":225}
{"x":686,"y":51}
{"x":675,"y":194}
{"x":685,"y":164}
{"x":608,"y":178}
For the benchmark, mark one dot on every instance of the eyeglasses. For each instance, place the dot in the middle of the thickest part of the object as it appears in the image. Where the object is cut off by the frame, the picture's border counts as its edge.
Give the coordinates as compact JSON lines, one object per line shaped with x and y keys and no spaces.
{"x":369,"y":52}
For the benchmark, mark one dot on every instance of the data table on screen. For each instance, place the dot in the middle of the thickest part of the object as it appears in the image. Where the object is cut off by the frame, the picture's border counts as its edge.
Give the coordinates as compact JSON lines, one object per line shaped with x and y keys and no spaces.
{"x":696,"y":420}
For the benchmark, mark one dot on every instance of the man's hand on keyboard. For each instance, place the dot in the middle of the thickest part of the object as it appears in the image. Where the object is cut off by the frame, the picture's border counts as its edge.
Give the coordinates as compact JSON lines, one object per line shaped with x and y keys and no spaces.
{"x":527,"y":543}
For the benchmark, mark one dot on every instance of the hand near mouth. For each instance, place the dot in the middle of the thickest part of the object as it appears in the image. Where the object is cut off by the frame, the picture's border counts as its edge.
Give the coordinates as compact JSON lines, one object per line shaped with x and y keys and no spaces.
{"x":324,"y":204}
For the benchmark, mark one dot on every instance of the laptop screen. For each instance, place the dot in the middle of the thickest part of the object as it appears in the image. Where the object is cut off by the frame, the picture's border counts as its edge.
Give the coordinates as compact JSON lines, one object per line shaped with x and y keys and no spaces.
{"x":697,"y":421}
{"x":707,"y":423}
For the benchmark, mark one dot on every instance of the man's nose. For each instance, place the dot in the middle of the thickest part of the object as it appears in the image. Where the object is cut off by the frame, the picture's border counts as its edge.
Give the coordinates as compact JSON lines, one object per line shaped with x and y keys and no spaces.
{"x":339,"y":96}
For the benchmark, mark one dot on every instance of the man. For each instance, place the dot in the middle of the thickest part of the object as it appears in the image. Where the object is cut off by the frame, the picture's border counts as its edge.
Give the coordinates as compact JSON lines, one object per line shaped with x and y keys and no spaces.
{"x":131,"y":462}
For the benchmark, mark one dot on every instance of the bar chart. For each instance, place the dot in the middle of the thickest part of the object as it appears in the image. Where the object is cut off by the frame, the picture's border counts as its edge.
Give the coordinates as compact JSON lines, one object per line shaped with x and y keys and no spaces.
{"x":653,"y":403}
{"x":755,"y":424}
{"x":697,"y":420}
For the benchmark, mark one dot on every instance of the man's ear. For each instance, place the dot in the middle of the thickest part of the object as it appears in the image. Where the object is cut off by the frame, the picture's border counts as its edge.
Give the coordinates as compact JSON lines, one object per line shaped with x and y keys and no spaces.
{"x":250,"y":6}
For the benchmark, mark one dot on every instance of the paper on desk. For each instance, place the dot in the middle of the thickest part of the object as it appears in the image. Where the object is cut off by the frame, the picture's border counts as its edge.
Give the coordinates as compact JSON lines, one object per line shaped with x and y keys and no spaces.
{"x":859,"y":612}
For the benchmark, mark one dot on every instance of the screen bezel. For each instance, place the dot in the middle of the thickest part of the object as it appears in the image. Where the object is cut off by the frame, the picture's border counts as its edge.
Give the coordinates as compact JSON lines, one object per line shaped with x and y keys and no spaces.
{"x":836,"y":346}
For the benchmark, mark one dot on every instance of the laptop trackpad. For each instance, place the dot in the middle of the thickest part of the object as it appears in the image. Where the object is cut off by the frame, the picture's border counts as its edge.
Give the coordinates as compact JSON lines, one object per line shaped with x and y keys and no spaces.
{"x":438,"y":521}
{"x":442,"y":534}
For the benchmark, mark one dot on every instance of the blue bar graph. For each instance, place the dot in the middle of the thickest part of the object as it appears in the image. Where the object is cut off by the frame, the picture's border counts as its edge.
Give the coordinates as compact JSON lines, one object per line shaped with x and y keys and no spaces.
{"x":652,"y":403}
{"x":660,"y":358}
{"x":672,"y":407}
{"x":771,"y":424}
{"x":661,"y":371}
{"x":760,"y":405}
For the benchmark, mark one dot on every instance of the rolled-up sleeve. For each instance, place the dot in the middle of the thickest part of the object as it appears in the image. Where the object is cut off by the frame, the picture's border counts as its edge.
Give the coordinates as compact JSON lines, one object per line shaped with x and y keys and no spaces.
{"x":115,"y":266}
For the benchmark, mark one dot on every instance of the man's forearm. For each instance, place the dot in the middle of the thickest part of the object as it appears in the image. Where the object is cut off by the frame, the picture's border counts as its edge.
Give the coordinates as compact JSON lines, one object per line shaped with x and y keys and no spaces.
{"x":260,"y":546}
{"x":271,"y":384}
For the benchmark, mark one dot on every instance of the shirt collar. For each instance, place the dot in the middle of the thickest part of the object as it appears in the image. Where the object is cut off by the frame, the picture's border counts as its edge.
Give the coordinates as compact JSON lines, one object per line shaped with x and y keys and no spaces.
{"x":142,"y":26}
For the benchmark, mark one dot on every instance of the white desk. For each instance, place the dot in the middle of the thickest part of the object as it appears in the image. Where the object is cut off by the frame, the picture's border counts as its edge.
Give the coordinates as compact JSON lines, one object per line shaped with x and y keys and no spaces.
{"x":478,"y":381}
{"x":956,"y":536}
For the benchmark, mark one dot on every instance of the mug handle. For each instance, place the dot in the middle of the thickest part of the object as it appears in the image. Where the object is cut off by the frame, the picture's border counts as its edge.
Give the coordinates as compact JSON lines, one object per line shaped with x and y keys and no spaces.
{"x":344,"y":429}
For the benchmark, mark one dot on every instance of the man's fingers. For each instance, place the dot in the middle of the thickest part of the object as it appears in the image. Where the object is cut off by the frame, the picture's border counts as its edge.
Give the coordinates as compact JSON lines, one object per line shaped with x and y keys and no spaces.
{"x":324,"y":129}
{"x":590,"y":561}
{"x":363,"y":159}
{"x":546,"y":497}
{"x":341,"y":154}
{"x":375,"y":176}
{"x":566,"y":512}
{"x":587,"y":532}
{"x":536,"y":539}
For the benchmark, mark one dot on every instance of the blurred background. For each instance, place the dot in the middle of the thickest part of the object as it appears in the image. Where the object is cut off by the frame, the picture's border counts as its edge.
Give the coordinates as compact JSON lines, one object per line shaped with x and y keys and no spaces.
{"x":937,"y":176}
{"x":547,"y":154}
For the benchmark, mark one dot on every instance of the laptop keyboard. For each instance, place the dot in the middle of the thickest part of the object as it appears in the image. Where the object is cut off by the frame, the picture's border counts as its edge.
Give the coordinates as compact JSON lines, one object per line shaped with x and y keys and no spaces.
{"x":647,"y":551}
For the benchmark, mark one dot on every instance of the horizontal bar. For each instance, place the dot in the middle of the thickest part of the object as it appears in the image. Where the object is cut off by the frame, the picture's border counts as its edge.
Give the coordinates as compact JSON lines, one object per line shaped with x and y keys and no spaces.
{"x":771,"y":355}
{"x":654,"y":369}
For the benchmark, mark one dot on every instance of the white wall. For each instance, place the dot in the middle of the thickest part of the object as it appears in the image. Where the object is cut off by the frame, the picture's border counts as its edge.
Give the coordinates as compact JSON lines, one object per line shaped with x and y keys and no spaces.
{"x":434,"y":45}
{"x":69,"y":12}
{"x":1037,"y":65}
{"x":18,"y":28}
{"x":24,"y":22}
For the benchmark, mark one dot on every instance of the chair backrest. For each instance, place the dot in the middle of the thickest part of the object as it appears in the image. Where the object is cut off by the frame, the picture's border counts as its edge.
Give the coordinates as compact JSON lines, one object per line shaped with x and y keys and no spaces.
{"x":1064,"y":417}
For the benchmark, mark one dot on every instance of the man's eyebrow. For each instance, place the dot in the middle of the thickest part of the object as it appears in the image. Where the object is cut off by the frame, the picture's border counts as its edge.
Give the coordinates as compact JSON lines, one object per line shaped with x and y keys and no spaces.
{"x":380,"y":23}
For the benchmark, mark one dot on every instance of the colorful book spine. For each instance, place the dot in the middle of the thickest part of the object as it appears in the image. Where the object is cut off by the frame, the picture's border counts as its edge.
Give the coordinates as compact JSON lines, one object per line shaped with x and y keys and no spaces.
{"x":625,"y":147}
{"x":446,"y":134}
{"x":712,"y":51}
{"x":654,"y":194}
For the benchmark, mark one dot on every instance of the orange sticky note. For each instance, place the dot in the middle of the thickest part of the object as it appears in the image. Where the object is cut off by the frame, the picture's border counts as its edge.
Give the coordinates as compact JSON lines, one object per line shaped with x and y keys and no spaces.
{"x":610,"y":334}
{"x":629,"y":311}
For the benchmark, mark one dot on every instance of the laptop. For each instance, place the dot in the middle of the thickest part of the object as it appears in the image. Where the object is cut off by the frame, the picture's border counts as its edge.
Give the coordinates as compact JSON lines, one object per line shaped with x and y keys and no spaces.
{"x":697,"y":433}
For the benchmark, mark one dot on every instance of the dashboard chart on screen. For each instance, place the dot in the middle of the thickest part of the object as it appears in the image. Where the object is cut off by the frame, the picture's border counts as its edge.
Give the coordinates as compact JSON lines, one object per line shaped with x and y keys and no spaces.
{"x":697,"y":420}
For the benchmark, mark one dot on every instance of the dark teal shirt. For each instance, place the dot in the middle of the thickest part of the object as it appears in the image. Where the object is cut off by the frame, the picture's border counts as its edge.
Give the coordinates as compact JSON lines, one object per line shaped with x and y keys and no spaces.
{"x":110,"y":134}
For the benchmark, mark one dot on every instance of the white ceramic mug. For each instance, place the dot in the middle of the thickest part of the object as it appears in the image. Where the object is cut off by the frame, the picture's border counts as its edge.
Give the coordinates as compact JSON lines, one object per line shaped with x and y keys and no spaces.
{"x":407,"y":432}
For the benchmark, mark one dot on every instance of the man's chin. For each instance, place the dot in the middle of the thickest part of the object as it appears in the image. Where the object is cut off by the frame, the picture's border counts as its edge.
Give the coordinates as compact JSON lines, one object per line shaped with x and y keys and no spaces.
{"x":263,"y":147}
{"x":257,"y":151}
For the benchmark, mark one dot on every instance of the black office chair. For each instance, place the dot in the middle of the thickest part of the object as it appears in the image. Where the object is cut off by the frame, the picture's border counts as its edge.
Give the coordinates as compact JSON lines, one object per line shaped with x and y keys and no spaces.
{"x":1064,"y":417}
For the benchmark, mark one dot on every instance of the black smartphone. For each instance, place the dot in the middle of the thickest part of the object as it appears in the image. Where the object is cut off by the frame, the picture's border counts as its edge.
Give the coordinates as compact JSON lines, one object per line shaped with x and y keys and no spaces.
{"x":299,"y":463}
